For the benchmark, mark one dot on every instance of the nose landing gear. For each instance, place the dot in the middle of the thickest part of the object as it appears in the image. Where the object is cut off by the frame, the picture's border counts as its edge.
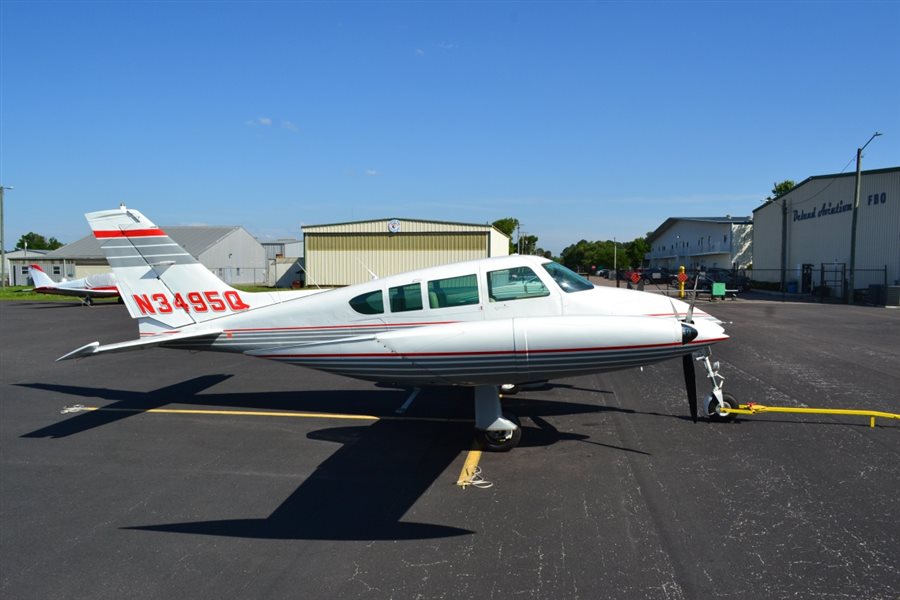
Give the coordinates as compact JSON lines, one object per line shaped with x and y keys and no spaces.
{"x":717,"y":399}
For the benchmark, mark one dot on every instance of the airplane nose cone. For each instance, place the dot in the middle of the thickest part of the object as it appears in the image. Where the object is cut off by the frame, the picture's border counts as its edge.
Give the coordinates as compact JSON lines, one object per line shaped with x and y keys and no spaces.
{"x":688,"y":334}
{"x":708,"y":330}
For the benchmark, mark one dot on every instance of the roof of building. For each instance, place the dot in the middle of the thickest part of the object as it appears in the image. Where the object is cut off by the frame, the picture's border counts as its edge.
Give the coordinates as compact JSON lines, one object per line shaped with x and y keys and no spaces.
{"x":21,"y":253}
{"x":405,"y":221}
{"x":281,"y":241}
{"x":195,"y":240}
{"x":832,"y":176}
{"x":726,"y":220}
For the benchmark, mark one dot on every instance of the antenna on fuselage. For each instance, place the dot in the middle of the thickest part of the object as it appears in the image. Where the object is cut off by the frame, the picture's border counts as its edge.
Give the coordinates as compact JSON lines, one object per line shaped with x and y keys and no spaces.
{"x":308,"y":277}
{"x":370,"y":271}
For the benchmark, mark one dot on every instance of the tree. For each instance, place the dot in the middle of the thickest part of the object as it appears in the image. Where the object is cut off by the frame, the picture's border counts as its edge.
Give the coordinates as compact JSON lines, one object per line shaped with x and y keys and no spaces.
{"x":36,"y":241}
{"x":780,"y":189}
{"x":586,"y":256}
{"x":507,"y":225}
{"x":526,"y":244}
{"x":635,"y":250}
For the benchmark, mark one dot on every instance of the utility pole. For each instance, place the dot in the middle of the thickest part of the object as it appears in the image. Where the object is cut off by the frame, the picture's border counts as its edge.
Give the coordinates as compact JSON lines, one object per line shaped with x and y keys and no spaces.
{"x":616,"y":261}
{"x":855,"y":217}
{"x":2,"y":241}
{"x":784,"y":213}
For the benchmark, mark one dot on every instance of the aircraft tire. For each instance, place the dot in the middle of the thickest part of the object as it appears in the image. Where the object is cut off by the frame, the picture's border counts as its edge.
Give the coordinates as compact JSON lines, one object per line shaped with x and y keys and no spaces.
{"x":717,"y":418}
{"x":500,"y":441}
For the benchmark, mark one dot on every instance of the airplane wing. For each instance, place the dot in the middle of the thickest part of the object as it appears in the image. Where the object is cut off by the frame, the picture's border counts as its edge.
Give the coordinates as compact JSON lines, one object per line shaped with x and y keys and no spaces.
{"x":148,"y":342}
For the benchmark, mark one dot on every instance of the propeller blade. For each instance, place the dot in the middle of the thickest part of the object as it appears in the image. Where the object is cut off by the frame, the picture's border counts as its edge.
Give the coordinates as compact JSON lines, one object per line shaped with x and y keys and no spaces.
{"x":690,"y":313}
{"x":690,"y":384}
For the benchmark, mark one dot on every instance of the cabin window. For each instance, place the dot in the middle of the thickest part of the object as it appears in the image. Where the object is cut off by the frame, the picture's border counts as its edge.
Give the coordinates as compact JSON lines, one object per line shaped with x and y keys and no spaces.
{"x":371,"y":303}
{"x":515,"y":284}
{"x":453,"y":291}
{"x":406,"y":297}
{"x":568,"y":280}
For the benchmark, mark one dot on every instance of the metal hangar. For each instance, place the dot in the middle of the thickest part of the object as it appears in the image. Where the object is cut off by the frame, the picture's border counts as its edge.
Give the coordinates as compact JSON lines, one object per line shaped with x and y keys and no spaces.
{"x":802,"y":238}
{"x":230,"y":252}
{"x":346,"y":253}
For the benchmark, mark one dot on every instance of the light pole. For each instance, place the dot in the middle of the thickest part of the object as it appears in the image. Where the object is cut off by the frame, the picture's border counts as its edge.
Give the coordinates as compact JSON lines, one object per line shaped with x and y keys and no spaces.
{"x":616,"y":261}
{"x":855,"y":217}
{"x":677,"y":249}
{"x":2,"y":241}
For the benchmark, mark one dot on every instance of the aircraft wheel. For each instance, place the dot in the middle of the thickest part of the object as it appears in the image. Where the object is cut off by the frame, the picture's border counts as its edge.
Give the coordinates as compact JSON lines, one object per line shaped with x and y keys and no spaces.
{"x":715,"y":417}
{"x":500,"y":441}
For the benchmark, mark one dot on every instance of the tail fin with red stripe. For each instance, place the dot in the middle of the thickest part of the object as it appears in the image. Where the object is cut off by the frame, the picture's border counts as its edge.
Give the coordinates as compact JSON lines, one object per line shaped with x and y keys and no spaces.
{"x":161,"y":284}
{"x":40,"y":278}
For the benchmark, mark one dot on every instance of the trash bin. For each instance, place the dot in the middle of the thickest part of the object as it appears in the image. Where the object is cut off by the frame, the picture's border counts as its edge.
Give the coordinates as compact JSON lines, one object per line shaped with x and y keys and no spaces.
{"x":791,"y":287}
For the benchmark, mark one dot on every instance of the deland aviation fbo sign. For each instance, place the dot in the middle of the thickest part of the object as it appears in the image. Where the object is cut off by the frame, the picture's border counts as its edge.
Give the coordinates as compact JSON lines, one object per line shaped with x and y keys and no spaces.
{"x":827,"y":209}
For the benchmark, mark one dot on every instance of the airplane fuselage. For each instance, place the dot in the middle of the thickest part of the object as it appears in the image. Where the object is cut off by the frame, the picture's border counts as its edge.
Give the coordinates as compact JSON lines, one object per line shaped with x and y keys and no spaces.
{"x":503,"y":320}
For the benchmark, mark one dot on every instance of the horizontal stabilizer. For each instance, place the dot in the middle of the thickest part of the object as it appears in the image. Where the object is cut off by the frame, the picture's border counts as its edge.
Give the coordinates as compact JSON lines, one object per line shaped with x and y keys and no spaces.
{"x":95,"y":347}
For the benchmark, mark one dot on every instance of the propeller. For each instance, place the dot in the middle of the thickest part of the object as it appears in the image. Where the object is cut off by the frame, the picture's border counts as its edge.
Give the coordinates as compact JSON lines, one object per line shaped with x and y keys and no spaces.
{"x":690,"y":384}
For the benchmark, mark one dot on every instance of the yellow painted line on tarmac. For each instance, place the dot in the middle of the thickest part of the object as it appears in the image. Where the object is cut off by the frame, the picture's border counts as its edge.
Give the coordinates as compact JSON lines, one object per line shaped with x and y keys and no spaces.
{"x":470,"y":468}
{"x":258,"y":413}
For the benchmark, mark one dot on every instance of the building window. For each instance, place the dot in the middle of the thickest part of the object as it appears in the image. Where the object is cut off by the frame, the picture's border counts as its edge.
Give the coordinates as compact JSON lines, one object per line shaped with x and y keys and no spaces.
{"x":515,"y":284}
{"x":57,"y":270}
{"x":23,"y":269}
{"x":370,"y":303}
{"x":454,"y":291}
{"x":405,"y":297}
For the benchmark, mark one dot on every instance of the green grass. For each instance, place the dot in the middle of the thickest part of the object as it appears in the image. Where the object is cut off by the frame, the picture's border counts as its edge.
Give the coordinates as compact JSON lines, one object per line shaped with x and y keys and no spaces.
{"x":258,"y":288}
{"x":21,"y":292}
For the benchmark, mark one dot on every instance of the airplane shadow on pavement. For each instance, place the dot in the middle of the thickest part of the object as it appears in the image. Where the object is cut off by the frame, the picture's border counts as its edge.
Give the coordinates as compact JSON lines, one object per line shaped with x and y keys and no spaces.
{"x":363,"y":490}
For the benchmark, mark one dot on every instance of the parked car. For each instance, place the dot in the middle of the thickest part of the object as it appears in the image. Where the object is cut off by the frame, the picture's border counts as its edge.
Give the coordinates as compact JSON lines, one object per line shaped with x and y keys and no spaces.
{"x":602,"y":273}
{"x":657,"y":275}
{"x":731,"y":279}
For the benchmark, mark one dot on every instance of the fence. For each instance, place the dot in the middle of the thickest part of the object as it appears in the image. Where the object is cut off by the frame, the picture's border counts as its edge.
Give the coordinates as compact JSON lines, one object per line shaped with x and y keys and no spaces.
{"x":824,"y":282}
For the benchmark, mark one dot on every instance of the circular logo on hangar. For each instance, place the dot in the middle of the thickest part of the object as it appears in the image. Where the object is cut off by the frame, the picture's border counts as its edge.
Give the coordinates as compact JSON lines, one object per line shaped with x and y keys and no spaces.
{"x":394,"y":226}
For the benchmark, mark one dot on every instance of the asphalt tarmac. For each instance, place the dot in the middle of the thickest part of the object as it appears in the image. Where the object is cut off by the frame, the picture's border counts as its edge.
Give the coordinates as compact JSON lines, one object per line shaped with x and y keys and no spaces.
{"x":613,"y":492}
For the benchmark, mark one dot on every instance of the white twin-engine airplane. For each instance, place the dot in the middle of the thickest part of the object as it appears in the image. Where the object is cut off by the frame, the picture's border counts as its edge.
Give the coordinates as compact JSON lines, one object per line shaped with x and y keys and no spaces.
{"x":489,"y":324}
{"x":101,"y":285}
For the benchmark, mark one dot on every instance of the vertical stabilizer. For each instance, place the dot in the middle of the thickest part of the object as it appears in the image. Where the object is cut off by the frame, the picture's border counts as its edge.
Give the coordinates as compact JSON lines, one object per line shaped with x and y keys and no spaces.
{"x":162,"y":284}
{"x":40,"y":279}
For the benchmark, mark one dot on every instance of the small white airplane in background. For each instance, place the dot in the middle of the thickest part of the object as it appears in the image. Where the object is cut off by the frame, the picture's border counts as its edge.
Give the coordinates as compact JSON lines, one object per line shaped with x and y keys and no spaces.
{"x":101,"y":285}
{"x":487,"y":324}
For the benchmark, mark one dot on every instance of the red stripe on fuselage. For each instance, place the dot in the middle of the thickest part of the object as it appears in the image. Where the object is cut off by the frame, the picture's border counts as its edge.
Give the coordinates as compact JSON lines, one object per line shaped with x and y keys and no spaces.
{"x":117,"y":233}
{"x":324,"y":327}
{"x":478,"y":352}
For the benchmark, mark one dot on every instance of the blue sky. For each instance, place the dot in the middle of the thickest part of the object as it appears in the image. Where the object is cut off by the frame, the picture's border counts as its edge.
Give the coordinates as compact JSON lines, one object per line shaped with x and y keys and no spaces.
{"x":583,"y":120}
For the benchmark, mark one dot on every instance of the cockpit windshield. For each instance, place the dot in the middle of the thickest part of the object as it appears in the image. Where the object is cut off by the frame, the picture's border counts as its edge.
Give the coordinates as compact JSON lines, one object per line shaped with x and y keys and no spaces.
{"x":568,"y":280}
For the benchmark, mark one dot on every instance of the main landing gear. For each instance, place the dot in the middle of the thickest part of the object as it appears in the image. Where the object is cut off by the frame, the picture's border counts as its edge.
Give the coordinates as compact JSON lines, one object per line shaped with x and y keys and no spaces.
{"x":495,"y":431}
{"x":717,"y":399}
